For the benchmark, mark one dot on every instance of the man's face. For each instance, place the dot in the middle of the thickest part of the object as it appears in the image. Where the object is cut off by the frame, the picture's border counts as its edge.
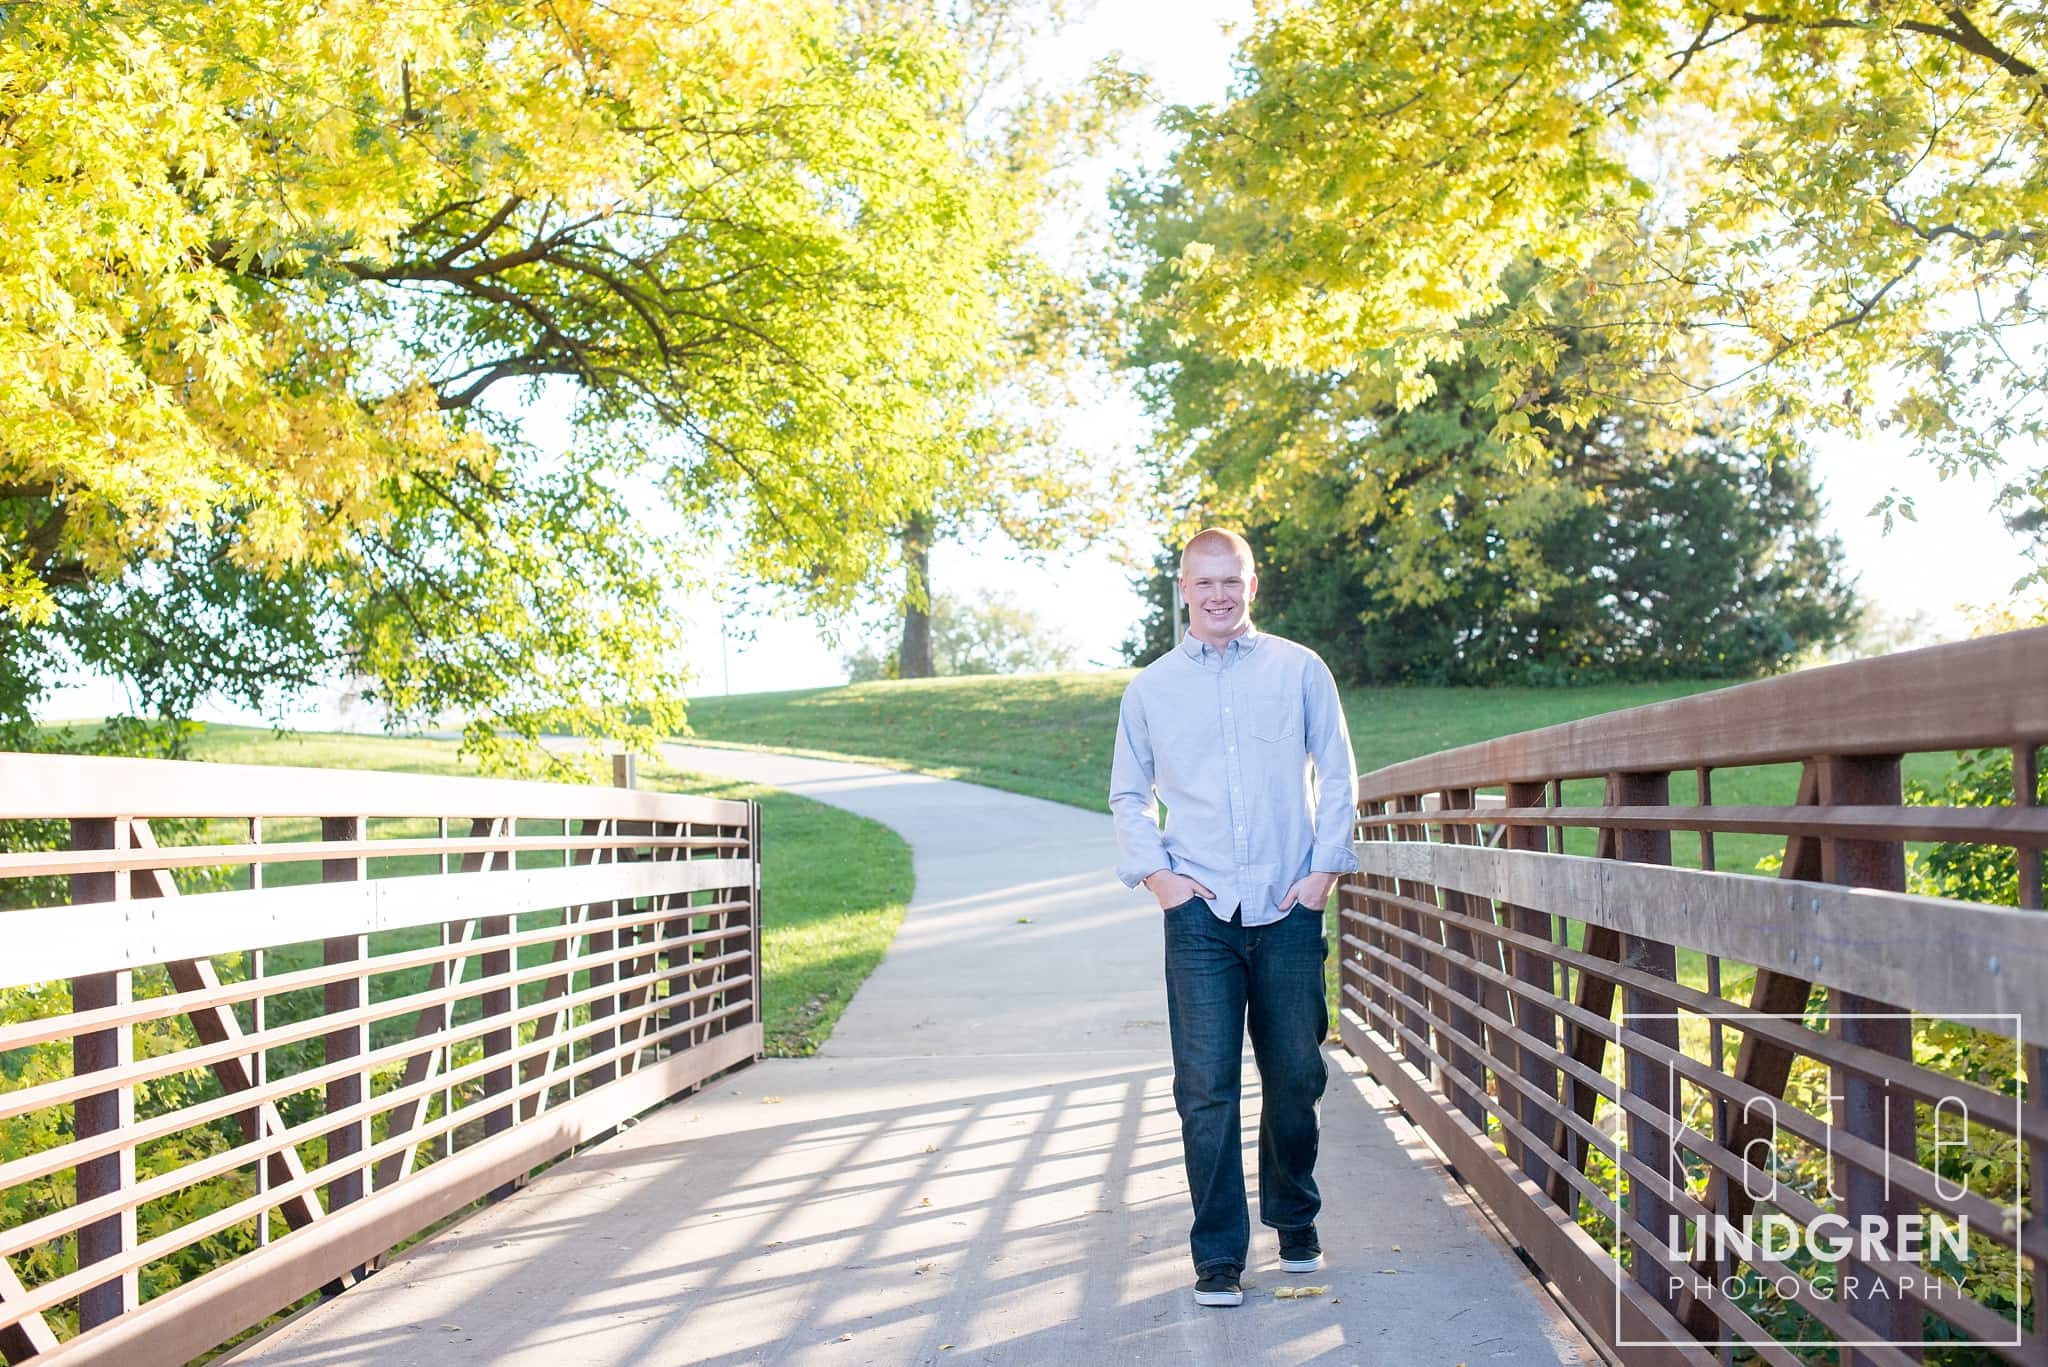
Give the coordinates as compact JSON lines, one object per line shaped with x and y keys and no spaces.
{"x":1220,"y":587}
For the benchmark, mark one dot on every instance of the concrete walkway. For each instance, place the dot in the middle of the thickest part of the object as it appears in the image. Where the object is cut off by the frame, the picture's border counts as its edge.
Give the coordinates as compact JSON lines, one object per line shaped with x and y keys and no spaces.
{"x":982,"y":1165}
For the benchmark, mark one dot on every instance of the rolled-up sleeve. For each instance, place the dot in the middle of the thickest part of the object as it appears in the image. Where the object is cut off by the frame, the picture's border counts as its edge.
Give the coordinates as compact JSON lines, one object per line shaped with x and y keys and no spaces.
{"x":1329,"y":742}
{"x":1140,"y":851}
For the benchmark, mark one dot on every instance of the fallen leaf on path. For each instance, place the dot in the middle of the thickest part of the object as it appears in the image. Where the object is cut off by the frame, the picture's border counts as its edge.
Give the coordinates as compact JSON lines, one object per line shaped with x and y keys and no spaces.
{"x":1390,"y":1272}
{"x":1290,"y":1293}
{"x":925,"y":1201}
{"x":1023,"y":920}
{"x":931,"y":1148}
{"x":771,"y":1101}
{"x":1397,"y":1249}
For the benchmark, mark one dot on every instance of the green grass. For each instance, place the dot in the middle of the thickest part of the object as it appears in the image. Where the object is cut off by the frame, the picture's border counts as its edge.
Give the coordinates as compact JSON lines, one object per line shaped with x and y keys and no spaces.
{"x":821,"y":936}
{"x":1049,"y":735}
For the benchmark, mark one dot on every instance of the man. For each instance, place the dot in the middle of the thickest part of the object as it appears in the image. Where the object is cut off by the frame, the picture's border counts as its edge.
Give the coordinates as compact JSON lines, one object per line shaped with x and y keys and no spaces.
{"x":1223,"y":728}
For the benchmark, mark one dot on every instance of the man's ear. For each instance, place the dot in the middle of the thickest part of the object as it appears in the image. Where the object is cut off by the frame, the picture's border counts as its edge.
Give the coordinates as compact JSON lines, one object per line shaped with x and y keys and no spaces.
{"x":1251,"y":587}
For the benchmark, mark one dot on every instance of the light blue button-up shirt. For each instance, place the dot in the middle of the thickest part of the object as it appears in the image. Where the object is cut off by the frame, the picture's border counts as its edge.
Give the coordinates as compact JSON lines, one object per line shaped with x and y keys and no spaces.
{"x":1248,"y":749}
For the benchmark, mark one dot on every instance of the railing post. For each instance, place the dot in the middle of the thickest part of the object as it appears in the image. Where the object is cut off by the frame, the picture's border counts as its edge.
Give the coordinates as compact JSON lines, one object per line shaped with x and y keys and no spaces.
{"x":1461,"y":985}
{"x":1420,"y":986}
{"x":1868,"y":1108}
{"x":1534,"y":1065}
{"x":1372,"y":910}
{"x":105,"y":1112}
{"x":754,"y":916}
{"x":2026,"y":793}
{"x":495,"y":1003}
{"x":348,"y":994}
{"x":604,"y":942}
{"x":1655,"y":1020}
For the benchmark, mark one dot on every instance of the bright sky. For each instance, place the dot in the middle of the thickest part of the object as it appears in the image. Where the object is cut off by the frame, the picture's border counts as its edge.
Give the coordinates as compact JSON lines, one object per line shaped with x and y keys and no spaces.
{"x":1957,"y":553}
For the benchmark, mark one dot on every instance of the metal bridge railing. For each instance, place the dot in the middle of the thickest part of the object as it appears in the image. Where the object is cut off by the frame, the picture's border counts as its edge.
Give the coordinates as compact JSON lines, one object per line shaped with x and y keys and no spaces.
{"x":265,"y":1024}
{"x":1638,"y":1066}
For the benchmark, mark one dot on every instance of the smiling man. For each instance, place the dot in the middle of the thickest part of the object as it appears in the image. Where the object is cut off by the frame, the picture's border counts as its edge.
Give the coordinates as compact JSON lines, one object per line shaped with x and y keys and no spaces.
{"x":1224,"y":728}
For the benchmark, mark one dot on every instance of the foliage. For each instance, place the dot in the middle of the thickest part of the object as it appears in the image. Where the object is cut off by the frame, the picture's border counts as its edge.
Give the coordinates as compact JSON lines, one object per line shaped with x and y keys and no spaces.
{"x":281,"y":282}
{"x":1968,"y":871}
{"x":994,"y":634}
{"x":1418,"y":546}
{"x":1813,"y":215}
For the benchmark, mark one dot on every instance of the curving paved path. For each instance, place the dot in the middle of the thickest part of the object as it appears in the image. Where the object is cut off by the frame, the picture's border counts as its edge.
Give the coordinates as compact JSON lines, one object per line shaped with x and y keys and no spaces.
{"x":982,"y":1165}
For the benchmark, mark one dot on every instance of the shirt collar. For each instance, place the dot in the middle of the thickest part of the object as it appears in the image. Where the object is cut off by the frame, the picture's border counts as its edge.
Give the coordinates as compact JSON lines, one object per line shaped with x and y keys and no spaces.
{"x":1201,"y":652}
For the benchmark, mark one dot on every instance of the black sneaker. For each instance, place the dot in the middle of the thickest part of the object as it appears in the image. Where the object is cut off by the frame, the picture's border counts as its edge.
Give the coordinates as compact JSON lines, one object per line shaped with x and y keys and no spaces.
{"x":1219,"y":1288}
{"x":1299,"y":1251}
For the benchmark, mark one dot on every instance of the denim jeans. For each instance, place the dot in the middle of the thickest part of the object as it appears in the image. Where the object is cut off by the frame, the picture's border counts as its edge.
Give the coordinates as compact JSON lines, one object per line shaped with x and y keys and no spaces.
{"x":1223,"y":978}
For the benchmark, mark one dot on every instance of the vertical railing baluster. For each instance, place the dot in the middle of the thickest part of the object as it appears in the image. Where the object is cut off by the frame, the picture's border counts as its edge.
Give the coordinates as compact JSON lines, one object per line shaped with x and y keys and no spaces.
{"x":754,"y":918}
{"x":1537,"y":1067}
{"x":604,"y":941}
{"x":1461,"y":985}
{"x":1717,"y":1048}
{"x":1868,"y":1108}
{"x":1655,"y":1019}
{"x":345,"y":994}
{"x":110,"y":1111}
{"x":259,"y":1058}
{"x":2026,"y":794}
{"x":448,"y":1015}
{"x":1416,"y":982}
{"x":496,"y":1004}
{"x":1372,"y":973}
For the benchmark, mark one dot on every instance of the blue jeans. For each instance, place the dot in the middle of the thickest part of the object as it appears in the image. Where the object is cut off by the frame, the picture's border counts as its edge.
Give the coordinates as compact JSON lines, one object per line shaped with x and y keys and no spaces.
{"x":1223,"y":978}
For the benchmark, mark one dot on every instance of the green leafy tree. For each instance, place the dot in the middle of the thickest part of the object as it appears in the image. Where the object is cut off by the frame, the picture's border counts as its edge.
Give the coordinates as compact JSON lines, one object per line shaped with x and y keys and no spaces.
{"x":1828,"y":215}
{"x":1414,"y":544}
{"x":282,"y":282}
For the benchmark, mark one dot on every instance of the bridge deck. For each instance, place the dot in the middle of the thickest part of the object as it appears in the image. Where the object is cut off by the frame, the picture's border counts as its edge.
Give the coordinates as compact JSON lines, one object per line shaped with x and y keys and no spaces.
{"x":983,"y":1165}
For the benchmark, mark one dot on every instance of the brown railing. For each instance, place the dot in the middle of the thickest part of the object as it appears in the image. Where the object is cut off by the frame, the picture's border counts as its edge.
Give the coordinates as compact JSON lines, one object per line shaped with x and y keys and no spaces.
{"x":266,"y":1024}
{"x":1625,"y":1059}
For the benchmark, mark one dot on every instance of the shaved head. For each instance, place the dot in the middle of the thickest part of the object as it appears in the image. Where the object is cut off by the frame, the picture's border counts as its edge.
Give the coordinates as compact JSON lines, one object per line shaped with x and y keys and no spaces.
{"x":1218,"y":539}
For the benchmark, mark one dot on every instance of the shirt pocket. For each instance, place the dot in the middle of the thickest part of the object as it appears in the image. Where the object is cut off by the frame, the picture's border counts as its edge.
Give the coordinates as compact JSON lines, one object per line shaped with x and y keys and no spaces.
{"x":1277,"y":720}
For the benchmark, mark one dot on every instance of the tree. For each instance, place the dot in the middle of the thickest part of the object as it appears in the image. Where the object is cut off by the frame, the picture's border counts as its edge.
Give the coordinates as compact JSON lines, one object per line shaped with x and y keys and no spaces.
{"x":1416,"y":545}
{"x":1825,"y":214}
{"x":1021,"y":477}
{"x":280,"y":283}
{"x":994,"y":634}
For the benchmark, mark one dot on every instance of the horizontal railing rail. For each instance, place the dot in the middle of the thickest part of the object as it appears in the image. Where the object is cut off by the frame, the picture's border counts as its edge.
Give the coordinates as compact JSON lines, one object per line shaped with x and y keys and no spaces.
{"x":262,"y":1025}
{"x":1675,"y":1086}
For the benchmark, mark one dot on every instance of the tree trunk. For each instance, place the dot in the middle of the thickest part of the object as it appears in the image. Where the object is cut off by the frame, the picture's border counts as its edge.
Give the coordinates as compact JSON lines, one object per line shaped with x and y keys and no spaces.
{"x":914,"y":656}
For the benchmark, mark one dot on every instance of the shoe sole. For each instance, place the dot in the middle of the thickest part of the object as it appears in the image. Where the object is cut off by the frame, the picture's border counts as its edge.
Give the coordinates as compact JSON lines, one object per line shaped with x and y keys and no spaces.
{"x":1314,"y":1264}
{"x":1219,"y":1298}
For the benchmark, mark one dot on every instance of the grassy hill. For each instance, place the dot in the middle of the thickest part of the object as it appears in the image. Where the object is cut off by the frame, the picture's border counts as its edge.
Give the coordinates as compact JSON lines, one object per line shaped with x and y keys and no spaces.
{"x":1049,"y":735}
